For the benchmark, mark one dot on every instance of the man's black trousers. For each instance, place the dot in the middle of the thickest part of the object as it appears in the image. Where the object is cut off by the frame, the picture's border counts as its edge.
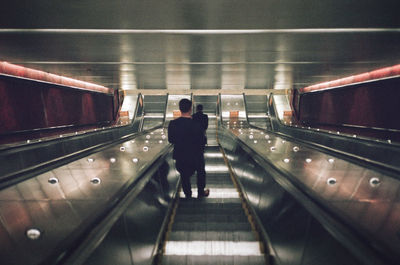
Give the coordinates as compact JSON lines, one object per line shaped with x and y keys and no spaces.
{"x":186,"y":168}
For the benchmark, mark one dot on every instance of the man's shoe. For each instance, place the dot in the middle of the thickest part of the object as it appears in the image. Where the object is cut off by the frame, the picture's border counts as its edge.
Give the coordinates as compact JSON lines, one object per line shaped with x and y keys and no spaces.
{"x":205,"y":193}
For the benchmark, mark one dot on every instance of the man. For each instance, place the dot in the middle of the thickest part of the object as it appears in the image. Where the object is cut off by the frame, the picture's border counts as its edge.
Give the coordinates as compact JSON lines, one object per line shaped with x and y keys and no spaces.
{"x":202,"y":120}
{"x":188,"y":139}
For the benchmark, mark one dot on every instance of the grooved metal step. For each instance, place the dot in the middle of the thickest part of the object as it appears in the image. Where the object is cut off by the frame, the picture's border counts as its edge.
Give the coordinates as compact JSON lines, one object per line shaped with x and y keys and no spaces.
{"x":212,"y":235}
{"x":220,"y":260}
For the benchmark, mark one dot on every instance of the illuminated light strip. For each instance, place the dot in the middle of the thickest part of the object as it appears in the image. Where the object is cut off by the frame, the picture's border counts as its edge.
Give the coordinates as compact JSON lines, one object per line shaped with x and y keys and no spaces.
{"x":213,"y":155}
{"x":205,"y":91}
{"x":165,"y":63}
{"x":213,"y":248}
{"x":216,"y":193}
{"x":210,"y":168}
{"x":327,"y":88}
{"x":8,"y":69}
{"x":377,"y":74}
{"x":201,"y":31}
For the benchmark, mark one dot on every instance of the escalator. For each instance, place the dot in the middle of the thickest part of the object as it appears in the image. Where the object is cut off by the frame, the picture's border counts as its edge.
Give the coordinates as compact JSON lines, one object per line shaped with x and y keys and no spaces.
{"x":213,"y":230}
{"x":216,"y":229}
{"x":287,"y":213}
{"x":264,"y":223}
{"x":82,"y":222}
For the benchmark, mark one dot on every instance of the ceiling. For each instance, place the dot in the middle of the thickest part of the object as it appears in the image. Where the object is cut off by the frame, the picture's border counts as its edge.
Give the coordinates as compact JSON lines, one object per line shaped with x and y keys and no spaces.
{"x":201,"y":46}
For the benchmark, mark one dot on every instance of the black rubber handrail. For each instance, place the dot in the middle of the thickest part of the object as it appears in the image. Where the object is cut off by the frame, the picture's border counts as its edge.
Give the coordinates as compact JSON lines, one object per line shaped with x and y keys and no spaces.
{"x":48,"y":139}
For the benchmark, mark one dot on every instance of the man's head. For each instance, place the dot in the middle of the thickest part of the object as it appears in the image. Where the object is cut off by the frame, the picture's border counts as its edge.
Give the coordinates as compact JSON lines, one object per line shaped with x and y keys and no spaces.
{"x":199,"y":107}
{"x":185,"y":105}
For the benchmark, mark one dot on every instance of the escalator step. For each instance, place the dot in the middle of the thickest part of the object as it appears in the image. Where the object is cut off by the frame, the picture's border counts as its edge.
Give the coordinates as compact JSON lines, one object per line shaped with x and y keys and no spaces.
{"x":218,"y":218}
{"x":212,"y":236}
{"x":211,"y":226}
{"x":220,"y":203}
{"x":235,"y":209}
{"x":207,"y":260}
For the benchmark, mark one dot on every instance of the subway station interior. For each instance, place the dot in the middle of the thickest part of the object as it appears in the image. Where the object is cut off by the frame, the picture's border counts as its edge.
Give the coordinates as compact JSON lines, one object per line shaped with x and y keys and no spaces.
{"x":303,"y":142}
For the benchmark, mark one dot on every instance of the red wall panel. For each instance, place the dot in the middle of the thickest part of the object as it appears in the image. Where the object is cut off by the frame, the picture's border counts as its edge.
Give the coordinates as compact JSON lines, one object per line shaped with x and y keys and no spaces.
{"x":29,"y":105}
{"x":371,"y":104}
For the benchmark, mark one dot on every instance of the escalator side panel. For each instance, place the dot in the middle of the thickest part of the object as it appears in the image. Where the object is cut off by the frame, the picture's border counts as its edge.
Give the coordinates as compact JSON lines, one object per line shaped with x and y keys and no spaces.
{"x":18,"y":158}
{"x":294,"y":234}
{"x":69,"y":202}
{"x":134,"y":237}
{"x":380,"y":152}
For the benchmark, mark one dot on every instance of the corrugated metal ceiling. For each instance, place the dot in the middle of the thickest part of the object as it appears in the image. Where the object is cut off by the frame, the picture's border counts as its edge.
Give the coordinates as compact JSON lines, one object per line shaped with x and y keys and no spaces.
{"x":201,"y":46}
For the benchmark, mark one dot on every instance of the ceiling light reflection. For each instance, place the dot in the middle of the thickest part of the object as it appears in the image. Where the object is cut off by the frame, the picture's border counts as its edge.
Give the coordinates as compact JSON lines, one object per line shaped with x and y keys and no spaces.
{"x":220,"y":193}
{"x":215,"y":168}
{"x":213,"y":155}
{"x":212,"y":248}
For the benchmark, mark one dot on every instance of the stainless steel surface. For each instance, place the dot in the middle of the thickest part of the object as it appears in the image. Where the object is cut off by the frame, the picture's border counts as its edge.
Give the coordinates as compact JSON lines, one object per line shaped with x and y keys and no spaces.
{"x":381,"y":153}
{"x":17,"y":158}
{"x":213,"y":230}
{"x":196,"y":46}
{"x":173,"y":107}
{"x":342,"y":186}
{"x":257,"y":111}
{"x":134,"y":237}
{"x":138,"y":118}
{"x":154,"y":111}
{"x":282,"y":104}
{"x":209,"y":103}
{"x":233,"y":108}
{"x":60,"y":209}
{"x":129,"y":105}
{"x":211,"y":132}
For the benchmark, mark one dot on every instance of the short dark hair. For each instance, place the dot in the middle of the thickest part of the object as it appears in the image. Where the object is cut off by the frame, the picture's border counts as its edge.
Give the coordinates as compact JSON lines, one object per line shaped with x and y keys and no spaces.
{"x":185,"y":105}
{"x":199,"y":107}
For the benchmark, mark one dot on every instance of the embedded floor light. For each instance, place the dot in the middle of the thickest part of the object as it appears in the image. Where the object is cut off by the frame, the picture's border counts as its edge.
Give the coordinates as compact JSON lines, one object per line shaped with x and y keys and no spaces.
{"x":33,"y":233}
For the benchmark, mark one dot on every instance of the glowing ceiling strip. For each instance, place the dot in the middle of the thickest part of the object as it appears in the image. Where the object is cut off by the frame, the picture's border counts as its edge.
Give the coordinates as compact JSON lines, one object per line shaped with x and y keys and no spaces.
{"x":201,"y":31}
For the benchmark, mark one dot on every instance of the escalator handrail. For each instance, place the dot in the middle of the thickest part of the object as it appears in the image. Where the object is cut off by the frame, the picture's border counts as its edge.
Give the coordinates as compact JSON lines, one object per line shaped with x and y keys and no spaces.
{"x":165,"y":110}
{"x":45,"y":140}
{"x":135,"y":113}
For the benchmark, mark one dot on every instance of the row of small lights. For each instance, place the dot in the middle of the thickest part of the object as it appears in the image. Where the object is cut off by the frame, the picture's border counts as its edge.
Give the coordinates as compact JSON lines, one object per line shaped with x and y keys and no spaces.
{"x":113,"y":160}
{"x":337,"y":132}
{"x":34,"y":233}
{"x":241,"y":125}
{"x":374,"y":182}
{"x":295,"y":149}
{"x":236,"y":104}
{"x":76,"y":133}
